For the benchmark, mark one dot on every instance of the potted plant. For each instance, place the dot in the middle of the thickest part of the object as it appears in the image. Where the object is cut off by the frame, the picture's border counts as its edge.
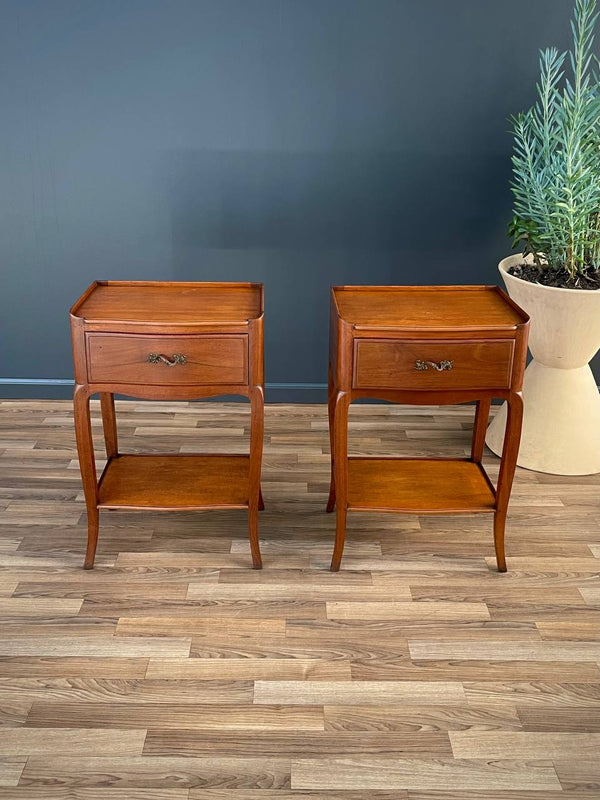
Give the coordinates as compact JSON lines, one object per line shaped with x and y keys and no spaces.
{"x":556,"y":278}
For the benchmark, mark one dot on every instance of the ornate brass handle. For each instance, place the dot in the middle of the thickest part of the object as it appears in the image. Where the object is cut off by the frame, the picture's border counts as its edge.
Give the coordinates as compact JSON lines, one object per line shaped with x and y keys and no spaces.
{"x":178,"y":358}
{"x":443,"y":365}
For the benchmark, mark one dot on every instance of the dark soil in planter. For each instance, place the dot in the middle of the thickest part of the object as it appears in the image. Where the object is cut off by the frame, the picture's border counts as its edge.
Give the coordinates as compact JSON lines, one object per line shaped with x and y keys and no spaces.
{"x":559,"y":278}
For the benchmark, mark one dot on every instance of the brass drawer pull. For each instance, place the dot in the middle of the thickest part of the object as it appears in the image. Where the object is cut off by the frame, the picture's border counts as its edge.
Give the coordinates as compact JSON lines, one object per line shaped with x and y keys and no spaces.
{"x":178,"y":358}
{"x":443,"y":365}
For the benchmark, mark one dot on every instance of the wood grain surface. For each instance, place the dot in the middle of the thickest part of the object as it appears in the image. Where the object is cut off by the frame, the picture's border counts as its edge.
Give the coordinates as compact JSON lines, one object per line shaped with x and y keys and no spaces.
{"x":173,"y":671}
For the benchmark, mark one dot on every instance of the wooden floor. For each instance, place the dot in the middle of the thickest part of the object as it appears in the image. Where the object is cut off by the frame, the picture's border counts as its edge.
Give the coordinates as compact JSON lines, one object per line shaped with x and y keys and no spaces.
{"x":173,"y":671}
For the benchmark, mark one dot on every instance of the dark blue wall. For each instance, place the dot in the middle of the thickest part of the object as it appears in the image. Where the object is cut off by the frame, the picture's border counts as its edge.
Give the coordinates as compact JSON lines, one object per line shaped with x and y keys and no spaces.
{"x":296,"y":142}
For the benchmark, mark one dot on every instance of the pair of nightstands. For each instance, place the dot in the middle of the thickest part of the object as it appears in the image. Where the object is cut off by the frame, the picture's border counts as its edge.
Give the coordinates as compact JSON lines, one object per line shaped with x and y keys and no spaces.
{"x":181,"y":341}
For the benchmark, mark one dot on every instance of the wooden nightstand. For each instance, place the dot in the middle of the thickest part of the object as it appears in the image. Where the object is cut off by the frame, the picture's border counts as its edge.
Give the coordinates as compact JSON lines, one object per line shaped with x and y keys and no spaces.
{"x":168,"y":341}
{"x":424,"y":345}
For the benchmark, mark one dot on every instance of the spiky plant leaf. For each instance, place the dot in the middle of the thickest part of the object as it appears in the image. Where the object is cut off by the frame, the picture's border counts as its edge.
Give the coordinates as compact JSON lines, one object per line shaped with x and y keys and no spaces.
{"x":556,"y":156}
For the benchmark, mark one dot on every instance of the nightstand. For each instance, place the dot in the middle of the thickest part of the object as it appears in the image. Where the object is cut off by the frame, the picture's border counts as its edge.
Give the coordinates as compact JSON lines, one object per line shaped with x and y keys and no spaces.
{"x":168,"y":341}
{"x":424,"y":345}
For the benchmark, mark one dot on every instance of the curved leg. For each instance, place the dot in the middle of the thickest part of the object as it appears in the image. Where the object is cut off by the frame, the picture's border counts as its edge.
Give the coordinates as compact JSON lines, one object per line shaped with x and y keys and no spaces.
{"x":261,"y":502}
{"x":109,"y":423}
{"x":87,"y":465}
{"x":499,"y":526}
{"x":331,"y":410}
{"x":482,"y":415}
{"x":257,"y":424}
{"x":510,"y":451}
{"x":340,"y":465}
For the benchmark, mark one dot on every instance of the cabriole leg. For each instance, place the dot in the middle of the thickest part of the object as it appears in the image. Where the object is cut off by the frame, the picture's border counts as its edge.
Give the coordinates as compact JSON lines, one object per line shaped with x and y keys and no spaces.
{"x":510,"y":451}
{"x":331,"y":410}
{"x":340,"y":466}
{"x":109,"y":423}
{"x":499,"y":526}
{"x":482,"y":414}
{"x":87,"y":465}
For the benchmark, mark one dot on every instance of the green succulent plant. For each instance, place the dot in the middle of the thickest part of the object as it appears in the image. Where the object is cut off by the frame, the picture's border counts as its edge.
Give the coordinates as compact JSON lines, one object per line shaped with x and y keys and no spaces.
{"x":556,"y":157}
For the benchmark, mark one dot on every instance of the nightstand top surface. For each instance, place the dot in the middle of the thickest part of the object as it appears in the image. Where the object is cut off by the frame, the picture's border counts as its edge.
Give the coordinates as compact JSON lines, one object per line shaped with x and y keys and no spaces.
{"x":158,"y":301}
{"x":439,"y":307}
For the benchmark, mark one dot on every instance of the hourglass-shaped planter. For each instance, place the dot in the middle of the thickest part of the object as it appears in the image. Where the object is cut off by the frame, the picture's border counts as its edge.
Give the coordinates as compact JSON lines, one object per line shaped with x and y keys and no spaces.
{"x":561,"y":421}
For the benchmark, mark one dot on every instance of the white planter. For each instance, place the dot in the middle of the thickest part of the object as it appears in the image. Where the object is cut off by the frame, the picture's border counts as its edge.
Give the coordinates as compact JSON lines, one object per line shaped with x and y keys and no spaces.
{"x":561,"y":421}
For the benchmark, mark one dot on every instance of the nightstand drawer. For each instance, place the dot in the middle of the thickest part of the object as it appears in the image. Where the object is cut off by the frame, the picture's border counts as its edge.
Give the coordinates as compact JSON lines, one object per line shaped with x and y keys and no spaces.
{"x":432,"y":364}
{"x":167,"y":360}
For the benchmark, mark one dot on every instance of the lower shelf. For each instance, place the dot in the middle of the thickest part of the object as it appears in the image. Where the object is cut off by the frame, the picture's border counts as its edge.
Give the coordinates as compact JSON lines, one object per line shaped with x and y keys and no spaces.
{"x":418,"y":486}
{"x":165,"y":482}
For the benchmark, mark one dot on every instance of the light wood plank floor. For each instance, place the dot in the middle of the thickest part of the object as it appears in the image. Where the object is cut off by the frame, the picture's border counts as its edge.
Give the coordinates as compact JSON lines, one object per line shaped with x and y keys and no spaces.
{"x":173,"y":671}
